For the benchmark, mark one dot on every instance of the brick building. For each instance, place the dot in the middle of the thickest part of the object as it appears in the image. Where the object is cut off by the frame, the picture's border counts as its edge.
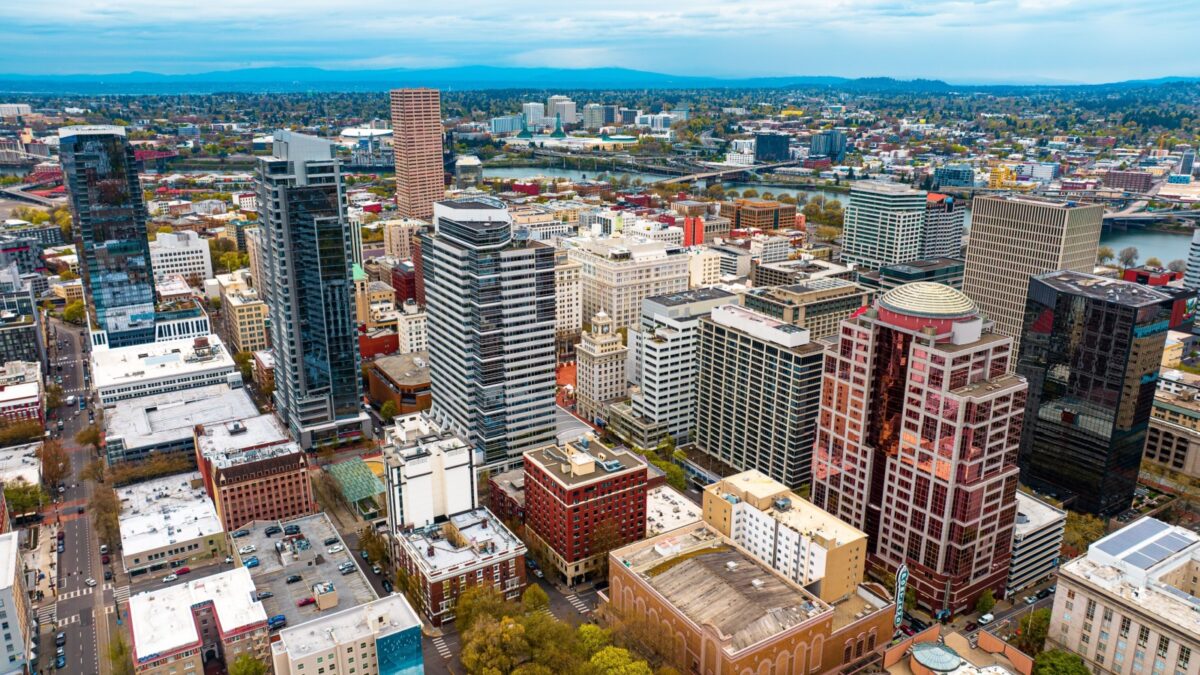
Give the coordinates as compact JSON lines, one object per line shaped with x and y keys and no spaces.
{"x":402,"y":379}
{"x":759,"y":214}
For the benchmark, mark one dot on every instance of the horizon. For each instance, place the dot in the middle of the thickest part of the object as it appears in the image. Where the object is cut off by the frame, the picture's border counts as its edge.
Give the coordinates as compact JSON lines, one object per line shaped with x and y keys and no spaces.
{"x":1052,"y":42}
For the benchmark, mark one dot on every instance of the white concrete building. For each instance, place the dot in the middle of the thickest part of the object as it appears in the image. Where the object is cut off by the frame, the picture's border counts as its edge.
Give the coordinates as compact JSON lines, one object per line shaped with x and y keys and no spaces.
{"x":568,"y":302}
{"x":619,"y":272}
{"x":167,"y":522}
{"x":884,"y":224}
{"x":410,"y":328}
{"x":704,"y":267}
{"x":15,"y":639}
{"x":600,"y":369}
{"x":379,"y":638}
{"x":1037,"y":541}
{"x":142,"y":370}
{"x":183,"y":253}
{"x":1132,"y":605}
{"x":430,"y":473}
{"x":656,"y":231}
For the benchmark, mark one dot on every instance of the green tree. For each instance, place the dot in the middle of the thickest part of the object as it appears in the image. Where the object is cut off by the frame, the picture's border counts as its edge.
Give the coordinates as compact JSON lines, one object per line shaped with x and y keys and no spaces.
{"x":494,"y":647}
{"x":90,"y":435}
{"x":618,"y":661}
{"x":24,"y":497}
{"x":534,"y":599}
{"x":749,"y":193}
{"x":551,"y":642}
{"x":1059,"y":662}
{"x":1031,"y":636}
{"x":67,"y":275}
{"x":828,"y":232}
{"x":245,"y":364}
{"x":247,"y":665}
{"x":120,"y":656}
{"x":592,"y":638}
{"x":986,"y":601}
{"x":215,"y":303}
{"x":106,"y":511}
{"x":388,"y":410}
{"x":1128,"y":256}
{"x":74,"y":312}
{"x":478,"y":602}
{"x":1105,"y":255}
{"x":1153,"y":262}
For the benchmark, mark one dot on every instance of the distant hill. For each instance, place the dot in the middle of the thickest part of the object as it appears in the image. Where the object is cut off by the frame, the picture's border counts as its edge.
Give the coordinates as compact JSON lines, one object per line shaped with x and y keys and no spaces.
{"x":463,"y":77}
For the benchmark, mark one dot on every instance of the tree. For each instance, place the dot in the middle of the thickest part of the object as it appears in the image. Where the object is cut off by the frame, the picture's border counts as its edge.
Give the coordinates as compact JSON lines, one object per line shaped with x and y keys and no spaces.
{"x":592,"y":638}
{"x":551,"y":642}
{"x":215,"y":303}
{"x":67,"y":275}
{"x":247,"y":665}
{"x":666,"y":446}
{"x":388,"y":410}
{"x":494,"y":646}
{"x":20,"y":431}
{"x":828,"y":233}
{"x":617,"y":661}
{"x":1059,"y":662}
{"x":54,"y":396}
{"x":56,"y":463}
{"x":244,"y":362}
{"x":106,"y":511}
{"x":986,"y":601}
{"x":24,"y":497}
{"x":1128,"y":256}
{"x":120,"y":655}
{"x":478,"y":602}
{"x":93,"y":471}
{"x":749,"y":193}
{"x":1081,"y":530}
{"x":1105,"y":255}
{"x":1153,"y":262}
{"x":1177,"y":266}
{"x":90,"y":436}
{"x":534,"y":599}
{"x":375,"y":546}
{"x":1032,"y":633}
{"x":74,"y":312}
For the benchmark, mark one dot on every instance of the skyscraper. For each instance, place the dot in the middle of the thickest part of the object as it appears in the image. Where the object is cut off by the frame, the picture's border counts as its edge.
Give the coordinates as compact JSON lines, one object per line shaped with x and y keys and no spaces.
{"x":417,"y":146}
{"x":100,"y":173}
{"x":1014,"y":238}
{"x":308,"y":288}
{"x":1091,"y":352}
{"x":884,"y":224}
{"x":830,"y":143}
{"x":600,"y":368}
{"x":771,"y":147}
{"x":917,"y":441}
{"x":945,"y":217}
{"x":489,"y":294}
{"x":535,"y":113}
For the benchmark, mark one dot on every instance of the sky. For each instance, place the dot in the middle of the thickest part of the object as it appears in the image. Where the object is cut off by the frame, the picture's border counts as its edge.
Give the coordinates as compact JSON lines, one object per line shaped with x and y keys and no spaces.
{"x":964,"y":41}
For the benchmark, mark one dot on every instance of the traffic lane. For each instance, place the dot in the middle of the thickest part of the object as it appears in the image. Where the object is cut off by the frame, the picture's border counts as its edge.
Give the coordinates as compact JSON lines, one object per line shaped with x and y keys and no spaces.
{"x":376,"y":580}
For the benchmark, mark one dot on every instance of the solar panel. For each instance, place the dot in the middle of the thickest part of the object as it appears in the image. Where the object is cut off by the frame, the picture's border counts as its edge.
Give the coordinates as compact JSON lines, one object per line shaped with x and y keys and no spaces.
{"x":1123,"y":540}
{"x":1140,"y":560}
{"x":1158,"y":550}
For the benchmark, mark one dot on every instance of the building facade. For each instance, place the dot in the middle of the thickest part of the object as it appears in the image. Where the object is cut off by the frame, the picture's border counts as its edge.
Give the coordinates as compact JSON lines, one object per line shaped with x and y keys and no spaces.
{"x":1091,"y":351}
{"x":568,"y":304}
{"x":183,"y":253}
{"x":617,"y":273}
{"x":819,"y":305}
{"x":945,"y":218}
{"x":917,"y":441}
{"x":309,"y":290}
{"x":759,"y":214}
{"x":16,"y":640}
{"x":1037,"y":543}
{"x":1173,"y":438}
{"x":600,"y":369}
{"x":884,"y":224}
{"x":398,"y":236}
{"x":379,"y":638}
{"x":417,"y":146}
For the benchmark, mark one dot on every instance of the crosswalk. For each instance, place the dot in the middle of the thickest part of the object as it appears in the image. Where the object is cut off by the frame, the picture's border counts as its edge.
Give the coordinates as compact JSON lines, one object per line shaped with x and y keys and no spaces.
{"x":439,"y":643}
{"x":121,"y":594}
{"x":48,"y":613}
{"x":86,"y":590}
{"x":74,"y":618}
{"x":578,"y":604}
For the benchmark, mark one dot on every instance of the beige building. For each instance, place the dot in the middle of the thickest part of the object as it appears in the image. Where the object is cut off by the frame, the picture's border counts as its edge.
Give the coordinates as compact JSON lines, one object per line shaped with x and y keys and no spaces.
{"x":417,"y":145}
{"x":1014,"y":238}
{"x":704,"y":268}
{"x":410,"y":328}
{"x":379,"y":638}
{"x":619,"y":272}
{"x":600,"y":368}
{"x":1173,"y":440}
{"x":1130,"y":604}
{"x":168,"y":522}
{"x":568,"y":306}
{"x":245,"y":313}
{"x":398,"y":236}
{"x":819,"y":305}
{"x":254,"y":252}
{"x":801,"y":541}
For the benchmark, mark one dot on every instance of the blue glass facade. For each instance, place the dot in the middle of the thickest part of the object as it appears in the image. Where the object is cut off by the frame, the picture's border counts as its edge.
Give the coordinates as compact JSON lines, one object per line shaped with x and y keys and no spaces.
{"x":400,"y":652}
{"x":100,"y":173}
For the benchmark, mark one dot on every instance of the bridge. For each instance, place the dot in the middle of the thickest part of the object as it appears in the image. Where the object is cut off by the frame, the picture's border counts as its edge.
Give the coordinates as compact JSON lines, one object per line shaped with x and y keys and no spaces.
{"x":18,"y":193}
{"x":721,"y":173}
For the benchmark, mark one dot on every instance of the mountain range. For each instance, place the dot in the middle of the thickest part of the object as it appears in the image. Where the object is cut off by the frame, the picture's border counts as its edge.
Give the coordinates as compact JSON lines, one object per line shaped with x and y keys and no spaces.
{"x":279,"y":79}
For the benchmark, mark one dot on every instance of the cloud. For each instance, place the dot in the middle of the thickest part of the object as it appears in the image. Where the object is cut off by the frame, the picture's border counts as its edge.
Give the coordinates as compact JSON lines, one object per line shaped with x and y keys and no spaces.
{"x":565,"y":57}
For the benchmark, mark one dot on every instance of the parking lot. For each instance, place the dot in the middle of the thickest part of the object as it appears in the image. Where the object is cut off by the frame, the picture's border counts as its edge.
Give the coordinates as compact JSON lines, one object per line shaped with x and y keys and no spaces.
{"x":307,"y":556}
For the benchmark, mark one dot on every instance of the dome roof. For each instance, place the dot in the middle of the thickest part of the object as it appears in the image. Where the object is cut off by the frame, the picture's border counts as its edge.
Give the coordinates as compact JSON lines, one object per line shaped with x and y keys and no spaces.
{"x":936,"y":657}
{"x":928,"y":299}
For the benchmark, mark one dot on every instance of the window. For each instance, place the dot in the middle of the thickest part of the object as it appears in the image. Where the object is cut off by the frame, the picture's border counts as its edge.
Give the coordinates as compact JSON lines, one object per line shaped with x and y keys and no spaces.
{"x":1143,"y":636}
{"x":1124,"y":626}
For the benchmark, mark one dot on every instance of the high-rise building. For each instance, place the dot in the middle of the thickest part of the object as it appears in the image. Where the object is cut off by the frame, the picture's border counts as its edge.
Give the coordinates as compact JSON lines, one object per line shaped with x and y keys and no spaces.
{"x":599,"y":368}
{"x":1187,"y":161}
{"x":758,"y":392}
{"x":884,"y":224}
{"x":771,"y":147}
{"x":830,"y":143}
{"x":663,"y":365}
{"x":1014,"y":238}
{"x":1191,"y":277}
{"x":1091,"y":351}
{"x":417,"y":146}
{"x":945,"y":218}
{"x":568,"y":303}
{"x":1130,"y":603}
{"x":20,"y":321}
{"x":398,"y":236}
{"x":490,"y":311}
{"x":593,"y":116}
{"x":619,"y":272}
{"x":535,"y":113}
{"x":561,"y":108}
{"x":100,"y":173}
{"x":917,"y":442}
{"x":309,"y":290}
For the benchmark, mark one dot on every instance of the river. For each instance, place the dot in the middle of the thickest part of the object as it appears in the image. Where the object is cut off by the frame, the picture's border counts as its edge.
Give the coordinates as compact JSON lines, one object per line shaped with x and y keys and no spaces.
{"x":1166,"y":246}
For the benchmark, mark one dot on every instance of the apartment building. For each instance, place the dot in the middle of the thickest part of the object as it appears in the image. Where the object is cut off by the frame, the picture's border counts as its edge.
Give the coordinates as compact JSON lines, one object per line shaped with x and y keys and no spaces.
{"x":568,"y":303}
{"x":398,"y":236}
{"x":183,"y":253}
{"x":884,"y":224}
{"x":819,"y":305}
{"x":382,"y":637}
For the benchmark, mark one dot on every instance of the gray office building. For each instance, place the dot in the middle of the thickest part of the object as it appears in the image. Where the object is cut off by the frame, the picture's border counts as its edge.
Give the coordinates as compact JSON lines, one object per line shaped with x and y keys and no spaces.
{"x":830,"y":143}
{"x":490,"y":307}
{"x":20,"y":323}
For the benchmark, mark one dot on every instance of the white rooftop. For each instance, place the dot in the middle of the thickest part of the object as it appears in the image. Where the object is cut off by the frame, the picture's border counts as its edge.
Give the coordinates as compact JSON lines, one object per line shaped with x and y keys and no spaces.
{"x":1034,"y":514}
{"x":161,"y":418}
{"x":173,"y":358}
{"x":483,"y":533}
{"x":161,"y":621}
{"x":165,"y":511}
{"x":248,"y":438}
{"x":379,"y":618}
{"x":667,"y":509}
{"x":760,"y":326}
{"x":10,"y":553}
{"x":21,"y":462}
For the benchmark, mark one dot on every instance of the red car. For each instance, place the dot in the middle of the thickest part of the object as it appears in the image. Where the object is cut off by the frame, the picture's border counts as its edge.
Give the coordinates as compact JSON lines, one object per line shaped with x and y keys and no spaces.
{"x":305,"y":601}
{"x":104,"y":559}
{"x":183,"y":570}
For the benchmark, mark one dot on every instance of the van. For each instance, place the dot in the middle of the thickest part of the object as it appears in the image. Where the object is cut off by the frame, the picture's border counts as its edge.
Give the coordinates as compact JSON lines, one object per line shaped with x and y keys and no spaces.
{"x":986,"y":619}
{"x":277,"y":621}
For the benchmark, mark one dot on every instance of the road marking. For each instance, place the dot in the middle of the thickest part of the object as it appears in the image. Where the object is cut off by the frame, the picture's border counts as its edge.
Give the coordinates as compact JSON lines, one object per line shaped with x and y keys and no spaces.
{"x":440,"y":645}
{"x":121,"y":594}
{"x":48,"y":613}
{"x":74,"y":618}
{"x":578,"y":604}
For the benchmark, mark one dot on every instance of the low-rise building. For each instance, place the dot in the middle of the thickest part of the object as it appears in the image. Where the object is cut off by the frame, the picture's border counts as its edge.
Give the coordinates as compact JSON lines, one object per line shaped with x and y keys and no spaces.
{"x":790,"y":272}
{"x":1130,"y":604}
{"x":137,"y":428}
{"x":947,"y":271}
{"x":1173,"y":439}
{"x":168,"y":522}
{"x":180,"y":629}
{"x":402,"y":379}
{"x":252,"y":470}
{"x":247,"y":319}
{"x":1037,"y":542}
{"x":506,"y":495}
{"x":21,"y":395}
{"x":379,"y":638}
{"x":264,"y":370}
{"x":183,"y":253}
{"x":760,"y":214}
{"x":123,"y":373}
{"x":668,"y":509}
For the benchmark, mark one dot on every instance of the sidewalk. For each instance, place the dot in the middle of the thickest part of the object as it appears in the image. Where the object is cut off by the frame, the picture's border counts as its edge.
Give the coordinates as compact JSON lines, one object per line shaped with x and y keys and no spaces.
{"x":44,"y":559}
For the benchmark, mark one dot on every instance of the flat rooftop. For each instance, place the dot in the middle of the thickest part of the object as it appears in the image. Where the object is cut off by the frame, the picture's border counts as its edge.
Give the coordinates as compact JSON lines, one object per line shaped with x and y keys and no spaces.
{"x":405,"y":369}
{"x":797,"y":513}
{"x":512,"y":483}
{"x":926,"y":265}
{"x":463,"y":542}
{"x":471,"y":204}
{"x":381,"y":617}
{"x":163,"y":418}
{"x":711,"y":581}
{"x":688,"y":297}
{"x":173,"y":358}
{"x":668,"y":509}
{"x":20,"y":462}
{"x":161,"y":621}
{"x":164,"y":511}
{"x":762,"y":327}
{"x":577,"y":462}
{"x":245,"y":439}
{"x":1034,"y":514}
{"x":1115,"y":291}
{"x":1039,"y":201}
{"x":10,"y":553}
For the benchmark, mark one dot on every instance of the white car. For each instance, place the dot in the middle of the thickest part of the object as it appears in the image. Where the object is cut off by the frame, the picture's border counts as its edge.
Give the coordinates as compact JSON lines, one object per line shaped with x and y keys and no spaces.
{"x":336,"y":549}
{"x":89,"y":581}
{"x":248,"y":548}
{"x":169,"y":578}
{"x":986,"y":619}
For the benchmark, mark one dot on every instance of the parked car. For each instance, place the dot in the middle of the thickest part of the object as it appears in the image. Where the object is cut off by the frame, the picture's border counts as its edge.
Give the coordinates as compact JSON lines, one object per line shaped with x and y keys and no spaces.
{"x":169,"y":578}
{"x":60,"y":663}
{"x":292,"y":529}
{"x":972,"y":626}
{"x":250,"y":562}
{"x":60,"y":639}
{"x":293,"y":579}
{"x":387,"y":586}
{"x":365,"y":556}
{"x":538,"y":573}
{"x":376,"y":570}
{"x":986,"y":619}
{"x":272,"y":530}
{"x":62,"y":534}
{"x":262,"y":595}
{"x":304,"y":602}
{"x":183,"y":570}
{"x":1030,"y":599}
{"x":1044,"y":593}
{"x":248,"y":548}
{"x":108,"y":575}
{"x":228,"y":559}
{"x":79,"y":510}
{"x":103,"y":548}
{"x":330,"y":541}
{"x":277,"y":621}
{"x":240,"y":533}
{"x":336,"y":549}
{"x":104,"y":559}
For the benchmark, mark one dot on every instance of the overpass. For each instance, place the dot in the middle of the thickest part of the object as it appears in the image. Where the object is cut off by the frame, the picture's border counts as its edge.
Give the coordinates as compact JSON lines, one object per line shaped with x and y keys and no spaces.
{"x":18,"y":193}
{"x":721,"y":173}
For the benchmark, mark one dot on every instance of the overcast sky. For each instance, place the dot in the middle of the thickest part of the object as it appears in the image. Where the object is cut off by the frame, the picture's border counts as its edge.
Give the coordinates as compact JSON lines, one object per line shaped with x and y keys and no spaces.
{"x":955,"y":40}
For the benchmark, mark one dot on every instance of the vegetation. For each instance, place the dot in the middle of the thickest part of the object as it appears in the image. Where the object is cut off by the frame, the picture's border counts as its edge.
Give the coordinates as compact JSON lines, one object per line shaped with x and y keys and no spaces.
{"x":74,"y":312}
{"x":20,"y":431}
{"x":56,"y":463}
{"x":375,"y":546}
{"x":54,"y":395}
{"x":24,"y":497}
{"x":986,"y":601}
{"x":90,"y":435}
{"x":120,"y":656}
{"x":1031,"y":636}
{"x":389,"y":410}
{"x":245,"y":364}
{"x":1059,"y":662}
{"x":1128,"y":256}
{"x":106,"y":511}
{"x":1082,"y":529}
{"x":157,"y":465}
{"x":247,"y":665}
{"x":1105,"y":255}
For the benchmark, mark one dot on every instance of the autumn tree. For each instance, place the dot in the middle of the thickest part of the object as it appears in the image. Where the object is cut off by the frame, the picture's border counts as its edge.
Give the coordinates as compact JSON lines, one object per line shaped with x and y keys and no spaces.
{"x":1128,"y":256}
{"x":23,"y":496}
{"x":74,"y":312}
{"x":106,"y":511}
{"x":1177,"y":266}
{"x":120,"y":656}
{"x":1081,"y":531}
{"x":618,"y":661}
{"x":247,"y":665}
{"x":1033,"y":629}
{"x":56,"y":463}
{"x":1153,"y":262}
{"x":1059,"y":662}
{"x":494,"y":646}
{"x":90,"y":435}
{"x":534,"y":599}
{"x":1105,"y":255}
{"x":478,"y":602}
{"x":93,"y":471}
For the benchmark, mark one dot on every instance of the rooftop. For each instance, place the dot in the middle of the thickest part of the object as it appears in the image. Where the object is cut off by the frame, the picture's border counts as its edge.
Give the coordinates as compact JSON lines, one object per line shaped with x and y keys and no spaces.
{"x":405,"y":369}
{"x":1115,"y":291}
{"x":174,"y":358}
{"x":583,"y":461}
{"x":926,"y":265}
{"x":379,"y":618}
{"x":512,"y":483}
{"x":886,"y":188}
{"x":163,"y":418}
{"x":928,"y":299}
{"x":786,"y":507}
{"x":20,"y":462}
{"x":1034,"y":514}
{"x":164,"y":511}
{"x":667,"y":509}
{"x":244,"y":439}
{"x":161,"y":621}
{"x":761,"y":326}
{"x":463,"y":542}
{"x":10,"y":553}
{"x":688,"y":297}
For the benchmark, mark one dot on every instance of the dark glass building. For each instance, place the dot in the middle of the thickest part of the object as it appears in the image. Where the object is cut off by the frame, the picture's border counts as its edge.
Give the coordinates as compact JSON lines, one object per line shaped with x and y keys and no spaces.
{"x":771,"y":147}
{"x":1091,"y":351}
{"x":308,"y":288}
{"x":100,"y":173}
